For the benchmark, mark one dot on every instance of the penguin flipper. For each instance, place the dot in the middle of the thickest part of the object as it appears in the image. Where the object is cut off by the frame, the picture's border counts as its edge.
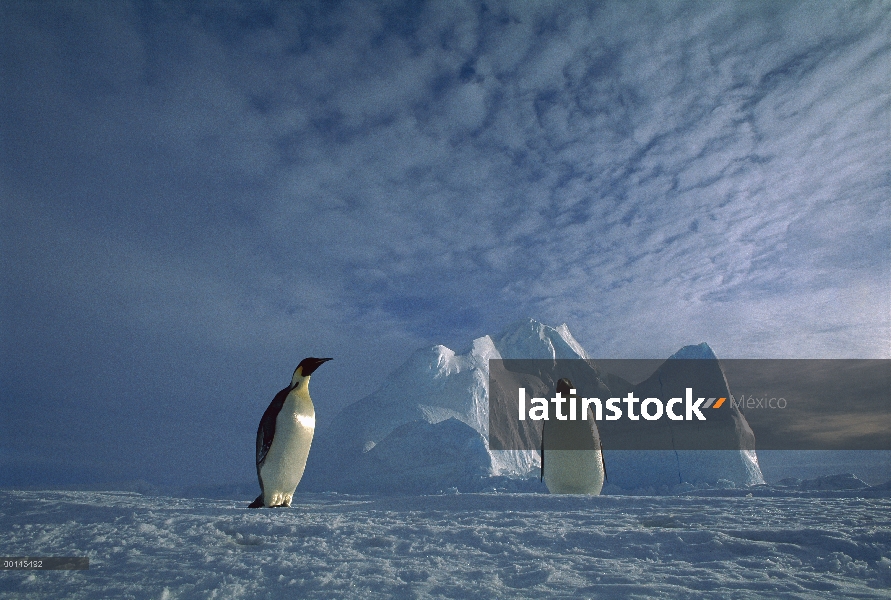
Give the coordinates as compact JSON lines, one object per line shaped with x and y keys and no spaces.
{"x":266,"y":429}
{"x":541,"y":478}
{"x":265,"y":433}
{"x":264,"y":442}
{"x":603,"y":461}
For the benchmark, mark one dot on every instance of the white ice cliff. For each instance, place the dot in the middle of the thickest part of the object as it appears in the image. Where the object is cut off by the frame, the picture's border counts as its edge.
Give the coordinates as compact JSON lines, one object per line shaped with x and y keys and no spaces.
{"x":426,"y":429}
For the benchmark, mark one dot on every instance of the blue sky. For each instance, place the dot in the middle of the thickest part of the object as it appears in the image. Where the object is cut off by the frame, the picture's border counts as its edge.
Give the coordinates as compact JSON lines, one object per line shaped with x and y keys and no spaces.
{"x":198,"y":195}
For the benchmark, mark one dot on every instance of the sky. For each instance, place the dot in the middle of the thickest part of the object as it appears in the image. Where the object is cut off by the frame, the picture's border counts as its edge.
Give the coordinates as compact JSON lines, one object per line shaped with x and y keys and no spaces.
{"x":196,"y":196}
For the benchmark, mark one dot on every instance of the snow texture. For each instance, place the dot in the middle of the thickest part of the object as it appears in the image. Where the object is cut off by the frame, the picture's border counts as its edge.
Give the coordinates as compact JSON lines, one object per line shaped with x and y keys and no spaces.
{"x":754,"y":543}
{"x":386,"y":441}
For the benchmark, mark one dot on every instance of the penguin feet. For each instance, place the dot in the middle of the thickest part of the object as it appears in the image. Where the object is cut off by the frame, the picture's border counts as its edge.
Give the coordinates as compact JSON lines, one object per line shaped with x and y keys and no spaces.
{"x":258,"y":503}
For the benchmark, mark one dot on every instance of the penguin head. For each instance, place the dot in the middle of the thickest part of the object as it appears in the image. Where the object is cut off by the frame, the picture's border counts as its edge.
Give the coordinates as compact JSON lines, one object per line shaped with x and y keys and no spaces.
{"x":305,"y":369}
{"x":564,"y":385}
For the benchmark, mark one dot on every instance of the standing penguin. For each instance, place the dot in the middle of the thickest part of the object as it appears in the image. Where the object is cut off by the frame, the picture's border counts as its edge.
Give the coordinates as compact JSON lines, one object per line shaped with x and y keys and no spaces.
{"x":574,"y":453}
{"x":283,"y":438}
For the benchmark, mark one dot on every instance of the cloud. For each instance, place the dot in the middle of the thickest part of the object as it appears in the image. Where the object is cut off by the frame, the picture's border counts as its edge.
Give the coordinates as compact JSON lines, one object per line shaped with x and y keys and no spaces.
{"x":264,"y":178}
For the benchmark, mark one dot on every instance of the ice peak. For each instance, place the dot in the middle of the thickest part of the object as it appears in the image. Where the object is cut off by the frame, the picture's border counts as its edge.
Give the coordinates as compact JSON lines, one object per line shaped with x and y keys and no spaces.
{"x":442,"y":350}
{"x":529,"y":338}
{"x":563,"y":330}
{"x":439,"y":360}
{"x":483,"y":349}
{"x":701,"y":351}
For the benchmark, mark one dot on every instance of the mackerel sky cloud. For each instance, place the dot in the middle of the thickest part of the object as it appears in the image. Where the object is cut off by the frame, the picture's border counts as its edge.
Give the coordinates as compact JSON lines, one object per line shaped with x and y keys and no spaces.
{"x":197,"y":196}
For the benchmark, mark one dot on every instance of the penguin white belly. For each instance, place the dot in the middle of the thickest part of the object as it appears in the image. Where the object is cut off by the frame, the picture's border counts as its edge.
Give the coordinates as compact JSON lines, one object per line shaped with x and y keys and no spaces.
{"x":286,"y":459}
{"x":573,"y":471}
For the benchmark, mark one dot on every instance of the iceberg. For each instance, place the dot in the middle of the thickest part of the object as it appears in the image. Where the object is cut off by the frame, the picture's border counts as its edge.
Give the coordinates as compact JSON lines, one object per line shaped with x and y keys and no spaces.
{"x":427,"y":428}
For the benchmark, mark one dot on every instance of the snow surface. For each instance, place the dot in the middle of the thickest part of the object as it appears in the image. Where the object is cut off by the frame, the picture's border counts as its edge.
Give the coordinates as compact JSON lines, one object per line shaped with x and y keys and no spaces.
{"x":753,"y":543}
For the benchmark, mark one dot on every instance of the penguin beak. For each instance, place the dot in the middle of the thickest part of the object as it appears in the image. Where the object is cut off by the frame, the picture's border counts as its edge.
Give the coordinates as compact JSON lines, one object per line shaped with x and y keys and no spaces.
{"x":308,"y":365}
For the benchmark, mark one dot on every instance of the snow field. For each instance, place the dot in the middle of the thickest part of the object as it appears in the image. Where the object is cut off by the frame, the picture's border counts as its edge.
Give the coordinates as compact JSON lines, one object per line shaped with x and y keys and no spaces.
{"x":449,"y":546}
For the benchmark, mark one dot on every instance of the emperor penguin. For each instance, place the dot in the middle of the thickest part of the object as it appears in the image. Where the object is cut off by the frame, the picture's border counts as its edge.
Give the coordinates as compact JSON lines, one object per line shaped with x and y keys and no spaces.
{"x":284,"y":437}
{"x":571,"y":452}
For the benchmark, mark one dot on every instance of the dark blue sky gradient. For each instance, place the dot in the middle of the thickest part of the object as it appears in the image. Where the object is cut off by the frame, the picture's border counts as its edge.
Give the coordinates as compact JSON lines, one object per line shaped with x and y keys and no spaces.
{"x":198,"y":195}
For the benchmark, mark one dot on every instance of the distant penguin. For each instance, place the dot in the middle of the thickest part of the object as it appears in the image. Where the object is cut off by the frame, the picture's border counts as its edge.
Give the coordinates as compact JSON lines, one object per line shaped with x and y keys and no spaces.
{"x":284,"y":437}
{"x":571,"y":452}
